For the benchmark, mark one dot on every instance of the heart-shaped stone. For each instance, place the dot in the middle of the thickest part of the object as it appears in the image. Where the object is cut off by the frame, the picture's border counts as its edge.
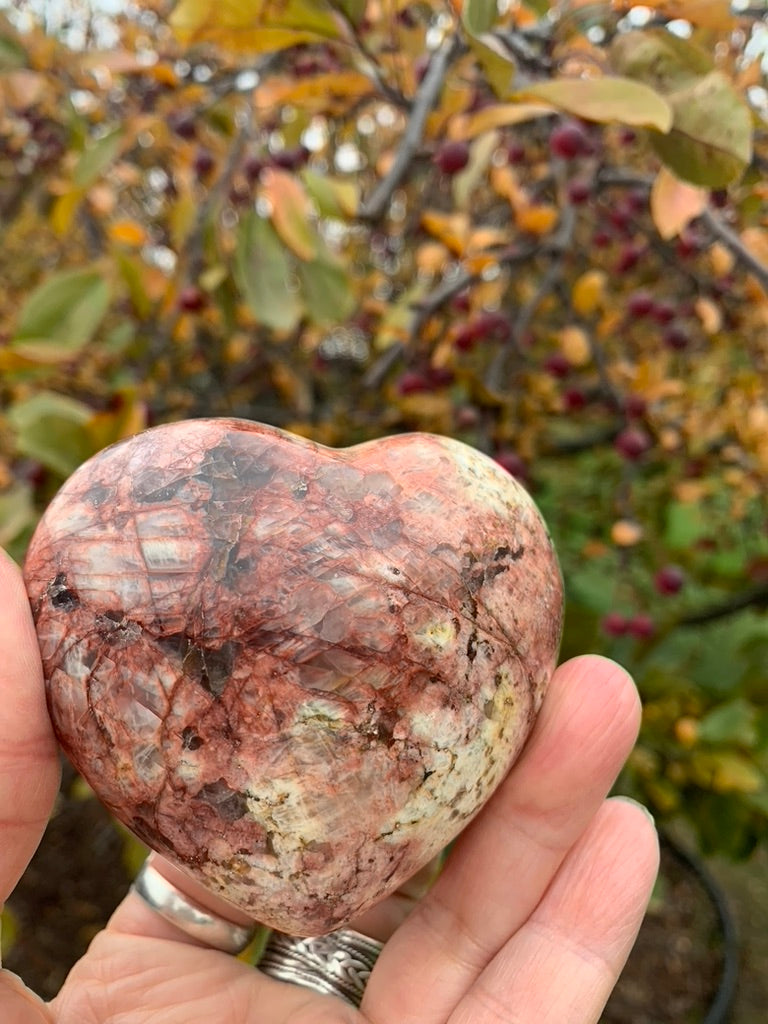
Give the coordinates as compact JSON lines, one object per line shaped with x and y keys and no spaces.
{"x":296,"y":672}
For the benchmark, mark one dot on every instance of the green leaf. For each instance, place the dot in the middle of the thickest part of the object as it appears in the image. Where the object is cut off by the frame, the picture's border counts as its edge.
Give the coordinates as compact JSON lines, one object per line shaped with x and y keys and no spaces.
{"x":685,"y":524}
{"x":733,"y":722}
{"x":327,"y":291}
{"x":710,"y":143}
{"x":8,"y":930}
{"x":497,"y":62}
{"x":17,"y":512}
{"x":96,"y":158}
{"x":662,"y":60}
{"x":479,"y":16}
{"x":53,"y":429}
{"x":711,"y":140}
{"x":606,"y":100}
{"x":62,"y":314}
{"x":12,"y":55}
{"x":264,"y":275}
{"x":353,"y":10}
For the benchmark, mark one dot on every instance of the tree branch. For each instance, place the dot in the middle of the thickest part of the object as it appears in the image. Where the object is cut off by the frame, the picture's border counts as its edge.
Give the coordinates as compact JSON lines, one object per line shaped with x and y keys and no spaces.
{"x":426,"y":98}
{"x":757,"y":597}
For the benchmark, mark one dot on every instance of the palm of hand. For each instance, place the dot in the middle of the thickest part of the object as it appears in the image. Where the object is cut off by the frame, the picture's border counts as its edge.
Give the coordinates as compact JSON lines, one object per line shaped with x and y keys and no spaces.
{"x":530,"y":921}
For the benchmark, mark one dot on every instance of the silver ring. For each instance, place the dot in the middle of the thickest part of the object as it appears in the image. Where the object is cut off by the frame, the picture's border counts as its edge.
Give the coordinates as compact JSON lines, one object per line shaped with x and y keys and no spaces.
{"x":190,"y":917}
{"x":338,"y":964}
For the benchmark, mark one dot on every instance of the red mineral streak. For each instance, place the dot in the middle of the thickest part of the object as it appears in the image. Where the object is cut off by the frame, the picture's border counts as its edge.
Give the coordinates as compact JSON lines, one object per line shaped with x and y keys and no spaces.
{"x":296,"y":672}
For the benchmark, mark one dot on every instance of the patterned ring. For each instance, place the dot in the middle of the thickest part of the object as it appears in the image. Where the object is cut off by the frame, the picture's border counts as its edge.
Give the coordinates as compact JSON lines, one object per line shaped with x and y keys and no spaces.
{"x":338,"y":964}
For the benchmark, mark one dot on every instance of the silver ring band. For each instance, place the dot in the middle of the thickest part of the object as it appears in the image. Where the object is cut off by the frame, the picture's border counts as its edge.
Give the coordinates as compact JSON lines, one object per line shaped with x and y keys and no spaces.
{"x":338,"y":964}
{"x":194,"y":920}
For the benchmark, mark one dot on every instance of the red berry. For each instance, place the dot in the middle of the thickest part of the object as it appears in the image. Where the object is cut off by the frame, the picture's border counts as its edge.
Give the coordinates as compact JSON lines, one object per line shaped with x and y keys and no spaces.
{"x":663,"y":312}
{"x":719,"y":198}
{"x":635,"y":407}
{"x":641,"y":626}
{"x":640,"y":303}
{"x":515,"y":153}
{"x":558,"y":365}
{"x":420,"y":67}
{"x":676,"y":338}
{"x":461,"y":302}
{"x":669,"y":579}
{"x":602,"y":239}
{"x":632,"y":443}
{"x":627,"y":136}
{"x":492,"y":325}
{"x":452,"y":157}
{"x":466,"y":338}
{"x":614,"y":624}
{"x":513,"y":464}
{"x":578,"y":191}
{"x":440,"y":376}
{"x":569,"y":140}
{"x":192,"y":299}
{"x":291,"y":159}
{"x":574,"y":400}
{"x":204,"y":162}
{"x":412,"y":383}
{"x":253,"y":166}
{"x":184,"y":125}
{"x":629,"y":257}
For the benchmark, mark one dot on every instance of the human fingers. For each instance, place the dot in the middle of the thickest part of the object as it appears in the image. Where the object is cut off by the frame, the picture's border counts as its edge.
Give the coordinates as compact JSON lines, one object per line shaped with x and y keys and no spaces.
{"x":29,"y":765}
{"x":562,"y":965}
{"x":503,"y":863}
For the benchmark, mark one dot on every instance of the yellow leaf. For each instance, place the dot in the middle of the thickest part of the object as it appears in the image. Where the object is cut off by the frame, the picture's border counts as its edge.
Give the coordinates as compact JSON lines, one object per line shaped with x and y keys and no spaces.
{"x":255,"y":26}
{"x":588,"y":292}
{"x":469,"y":126}
{"x":182,"y":219}
{"x":625,"y":533}
{"x":575,"y":346}
{"x":721,"y":259}
{"x":675,"y":203}
{"x":64,"y":210}
{"x":24,"y":88}
{"x":504,"y":183}
{"x":607,"y":99}
{"x":450,"y":229}
{"x":102,"y":199}
{"x":128,"y":232}
{"x":330,"y":93}
{"x":537,"y":219}
{"x":290,"y":209}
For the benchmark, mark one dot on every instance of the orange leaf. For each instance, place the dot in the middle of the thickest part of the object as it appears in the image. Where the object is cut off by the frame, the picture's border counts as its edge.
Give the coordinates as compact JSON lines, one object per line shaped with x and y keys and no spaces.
{"x":537,"y":219}
{"x":128,"y":232}
{"x":290,"y":212}
{"x":674,"y":203}
{"x":468,"y":126}
{"x":574,"y":344}
{"x":588,"y":292}
{"x":710,"y":314}
{"x":450,"y":229}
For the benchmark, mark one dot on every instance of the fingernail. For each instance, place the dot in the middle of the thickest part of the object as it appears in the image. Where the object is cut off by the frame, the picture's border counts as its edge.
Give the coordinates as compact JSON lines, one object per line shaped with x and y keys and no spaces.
{"x":642,"y":807}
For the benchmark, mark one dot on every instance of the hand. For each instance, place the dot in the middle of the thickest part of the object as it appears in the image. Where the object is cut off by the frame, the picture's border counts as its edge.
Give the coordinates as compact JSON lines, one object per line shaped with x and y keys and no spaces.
{"x":530,"y":921}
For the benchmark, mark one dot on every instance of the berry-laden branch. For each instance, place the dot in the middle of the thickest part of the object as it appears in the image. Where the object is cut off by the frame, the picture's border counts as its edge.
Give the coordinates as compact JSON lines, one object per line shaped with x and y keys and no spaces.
{"x":715,"y":224}
{"x":426,"y":98}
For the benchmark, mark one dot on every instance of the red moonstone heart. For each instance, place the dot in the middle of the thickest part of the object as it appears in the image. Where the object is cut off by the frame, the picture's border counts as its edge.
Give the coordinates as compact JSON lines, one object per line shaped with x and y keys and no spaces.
{"x":296,"y":672}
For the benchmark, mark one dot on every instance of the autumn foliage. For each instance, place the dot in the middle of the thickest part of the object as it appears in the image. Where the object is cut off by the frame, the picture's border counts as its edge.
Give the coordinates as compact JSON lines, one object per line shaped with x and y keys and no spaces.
{"x":539,"y":227}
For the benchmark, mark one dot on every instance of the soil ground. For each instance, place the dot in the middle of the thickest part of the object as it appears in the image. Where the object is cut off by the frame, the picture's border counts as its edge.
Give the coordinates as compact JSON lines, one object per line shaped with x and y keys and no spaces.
{"x":79,"y":874}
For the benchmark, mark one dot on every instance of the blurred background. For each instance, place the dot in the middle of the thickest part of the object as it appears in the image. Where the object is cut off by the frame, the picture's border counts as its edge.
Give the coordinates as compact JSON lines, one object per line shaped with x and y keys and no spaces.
{"x":539,"y":227}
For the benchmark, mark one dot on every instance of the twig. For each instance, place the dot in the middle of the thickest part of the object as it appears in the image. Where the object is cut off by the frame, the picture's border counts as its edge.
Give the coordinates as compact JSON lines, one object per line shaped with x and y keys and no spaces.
{"x":731,"y":240}
{"x":756,"y":597}
{"x":715,"y":224}
{"x":556,"y":246}
{"x":429,"y":91}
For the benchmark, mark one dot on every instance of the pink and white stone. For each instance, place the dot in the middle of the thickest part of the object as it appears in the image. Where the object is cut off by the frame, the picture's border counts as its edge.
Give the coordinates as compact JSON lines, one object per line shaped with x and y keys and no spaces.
{"x":296,"y":672}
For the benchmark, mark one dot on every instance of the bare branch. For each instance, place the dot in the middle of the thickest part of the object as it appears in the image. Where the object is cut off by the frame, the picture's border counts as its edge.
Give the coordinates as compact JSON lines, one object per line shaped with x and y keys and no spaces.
{"x":757,"y":597}
{"x":731,"y":241}
{"x":426,"y":98}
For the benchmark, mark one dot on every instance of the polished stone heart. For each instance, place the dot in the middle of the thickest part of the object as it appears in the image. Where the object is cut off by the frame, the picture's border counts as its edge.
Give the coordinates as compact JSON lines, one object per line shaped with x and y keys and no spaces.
{"x":296,"y":672}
